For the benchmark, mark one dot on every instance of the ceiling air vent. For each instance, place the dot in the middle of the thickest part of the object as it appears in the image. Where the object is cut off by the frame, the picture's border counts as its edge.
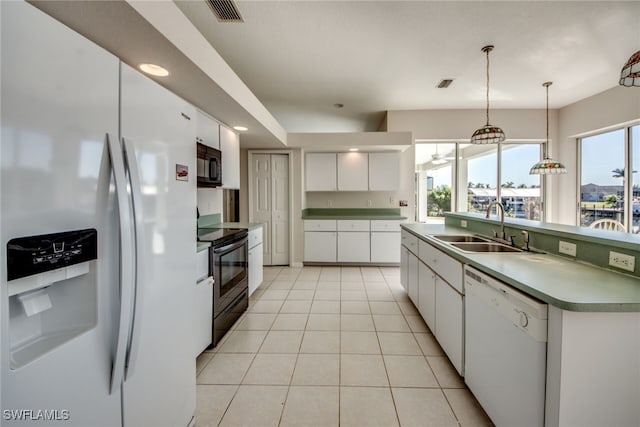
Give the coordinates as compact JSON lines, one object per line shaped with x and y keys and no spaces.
{"x":444,"y":83}
{"x":225,"y":10}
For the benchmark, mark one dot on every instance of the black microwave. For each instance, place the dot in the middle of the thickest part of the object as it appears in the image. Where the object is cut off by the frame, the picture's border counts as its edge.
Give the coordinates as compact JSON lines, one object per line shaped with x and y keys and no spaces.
{"x":209,"y":166}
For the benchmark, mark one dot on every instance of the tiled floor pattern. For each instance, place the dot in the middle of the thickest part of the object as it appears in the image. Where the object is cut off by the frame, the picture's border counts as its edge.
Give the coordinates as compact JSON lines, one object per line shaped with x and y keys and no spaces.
{"x":329,"y":346}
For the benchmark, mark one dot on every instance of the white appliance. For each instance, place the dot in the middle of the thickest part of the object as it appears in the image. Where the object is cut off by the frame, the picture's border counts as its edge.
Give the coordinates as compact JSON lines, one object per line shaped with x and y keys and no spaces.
{"x":89,"y":143}
{"x":506,"y":348}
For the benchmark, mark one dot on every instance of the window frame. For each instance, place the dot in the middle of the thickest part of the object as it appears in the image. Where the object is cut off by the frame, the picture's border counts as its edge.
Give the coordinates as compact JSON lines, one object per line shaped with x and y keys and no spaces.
{"x":628,"y":165}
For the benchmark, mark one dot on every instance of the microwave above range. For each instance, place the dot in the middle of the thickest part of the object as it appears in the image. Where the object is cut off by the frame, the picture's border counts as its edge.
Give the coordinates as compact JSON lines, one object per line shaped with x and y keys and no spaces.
{"x":209,"y":162}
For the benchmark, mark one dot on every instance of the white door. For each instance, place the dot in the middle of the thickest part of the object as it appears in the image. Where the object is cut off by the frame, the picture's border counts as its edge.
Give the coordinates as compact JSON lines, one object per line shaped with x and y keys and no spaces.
{"x":270,"y":204}
{"x":56,"y":177}
{"x":159,"y":127}
{"x":261,"y":200}
{"x":280,"y":209}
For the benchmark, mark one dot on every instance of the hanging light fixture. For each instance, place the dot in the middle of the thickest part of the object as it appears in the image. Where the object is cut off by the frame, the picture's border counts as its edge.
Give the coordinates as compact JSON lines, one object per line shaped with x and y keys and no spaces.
{"x":547,"y":166}
{"x":630,"y":74}
{"x":487,"y":134}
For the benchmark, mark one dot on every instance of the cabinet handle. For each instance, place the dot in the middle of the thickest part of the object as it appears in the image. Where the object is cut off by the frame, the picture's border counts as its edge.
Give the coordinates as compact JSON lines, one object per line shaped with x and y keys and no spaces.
{"x":185,"y":116}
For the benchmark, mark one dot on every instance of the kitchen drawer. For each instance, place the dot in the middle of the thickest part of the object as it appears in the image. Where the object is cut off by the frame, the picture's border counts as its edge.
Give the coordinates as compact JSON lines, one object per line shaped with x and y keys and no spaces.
{"x":385,"y":225}
{"x":202,"y":265}
{"x":445,"y":266}
{"x":353,"y":225}
{"x":255,"y":236}
{"x":320,"y":225}
{"x":409,"y":241}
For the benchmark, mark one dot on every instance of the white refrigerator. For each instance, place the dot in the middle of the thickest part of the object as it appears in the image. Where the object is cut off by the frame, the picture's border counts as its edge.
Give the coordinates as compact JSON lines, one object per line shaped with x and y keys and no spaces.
{"x":90,"y":144}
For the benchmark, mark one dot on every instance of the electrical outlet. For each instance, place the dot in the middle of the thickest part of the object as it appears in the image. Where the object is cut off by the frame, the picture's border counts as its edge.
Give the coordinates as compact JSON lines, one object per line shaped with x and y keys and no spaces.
{"x":369,"y":203}
{"x":392,"y":201}
{"x":330,"y":203}
{"x":623,"y":261}
{"x":463,"y":223}
{"x":567,"y":248}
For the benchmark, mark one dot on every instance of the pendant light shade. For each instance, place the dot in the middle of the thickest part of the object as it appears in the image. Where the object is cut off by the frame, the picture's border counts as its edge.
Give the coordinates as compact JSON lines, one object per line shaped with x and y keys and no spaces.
{"x":630,"y":74}
{"x":547,"y":166}
{"x":488,"y":134}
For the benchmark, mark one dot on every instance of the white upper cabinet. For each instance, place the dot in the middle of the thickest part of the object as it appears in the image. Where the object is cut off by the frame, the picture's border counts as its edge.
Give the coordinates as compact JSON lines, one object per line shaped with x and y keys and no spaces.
{"x":353,"y":171}
{"x":384,"y":171}
{"x":230,"y":147}
{"x":321,"y":172}
{"x":207,"y":130}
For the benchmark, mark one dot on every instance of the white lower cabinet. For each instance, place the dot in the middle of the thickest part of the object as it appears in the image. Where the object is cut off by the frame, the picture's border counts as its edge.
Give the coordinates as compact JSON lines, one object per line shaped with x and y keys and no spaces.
{"x":449,"y":319}
{"x":412,"y":276}
{"x":404,"y":266}
{"x":320,"y":246}
{"x":434,"y":283}
{"x":384,"y":247}
{"x":353,"y":246}
{"x":427,"y":295}
{"x":255,"y":259}
{"x":353,"y":241}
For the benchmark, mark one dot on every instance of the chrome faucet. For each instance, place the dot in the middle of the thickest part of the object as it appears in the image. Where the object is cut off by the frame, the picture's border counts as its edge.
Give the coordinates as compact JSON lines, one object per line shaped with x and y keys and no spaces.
{"x":502,"y":235}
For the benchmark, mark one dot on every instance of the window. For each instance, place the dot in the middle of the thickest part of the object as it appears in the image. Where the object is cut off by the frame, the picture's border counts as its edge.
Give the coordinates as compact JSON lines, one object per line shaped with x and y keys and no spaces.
{"x":606,"y":185}
{"x":464,"y":177}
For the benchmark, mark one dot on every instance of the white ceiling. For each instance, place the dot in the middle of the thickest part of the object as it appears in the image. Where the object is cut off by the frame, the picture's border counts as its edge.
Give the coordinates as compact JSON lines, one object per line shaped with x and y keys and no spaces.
{"x":299,"y":58}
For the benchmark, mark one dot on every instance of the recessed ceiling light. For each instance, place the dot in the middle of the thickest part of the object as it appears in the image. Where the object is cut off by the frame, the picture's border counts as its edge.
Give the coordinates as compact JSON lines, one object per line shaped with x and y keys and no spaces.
{"x":354,"y":149}
{"x":154,"y":70}
{"x":338,"y":105}
{"x":444,"y":83}
{"x":241,"y":128}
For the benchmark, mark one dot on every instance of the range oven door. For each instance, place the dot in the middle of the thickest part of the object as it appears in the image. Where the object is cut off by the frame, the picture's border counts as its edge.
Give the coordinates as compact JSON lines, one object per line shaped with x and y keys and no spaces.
{"x":230,"y":272}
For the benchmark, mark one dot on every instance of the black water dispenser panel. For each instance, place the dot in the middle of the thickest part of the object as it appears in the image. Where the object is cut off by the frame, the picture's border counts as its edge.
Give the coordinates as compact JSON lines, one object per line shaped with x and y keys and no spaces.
{"x":31,"y":255}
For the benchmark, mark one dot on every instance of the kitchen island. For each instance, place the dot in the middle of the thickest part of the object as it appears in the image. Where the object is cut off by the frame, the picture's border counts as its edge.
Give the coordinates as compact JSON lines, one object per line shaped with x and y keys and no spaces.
{"x":593,"y":349}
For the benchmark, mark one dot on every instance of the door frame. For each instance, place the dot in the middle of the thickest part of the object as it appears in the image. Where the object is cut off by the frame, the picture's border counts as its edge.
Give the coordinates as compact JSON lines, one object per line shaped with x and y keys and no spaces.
{"x":289,"y":154}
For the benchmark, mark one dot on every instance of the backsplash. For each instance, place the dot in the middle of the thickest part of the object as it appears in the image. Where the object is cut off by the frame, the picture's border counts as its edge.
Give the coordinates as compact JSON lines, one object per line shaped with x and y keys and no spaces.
{"x":592,"y":246}
{"x":209,"y":220}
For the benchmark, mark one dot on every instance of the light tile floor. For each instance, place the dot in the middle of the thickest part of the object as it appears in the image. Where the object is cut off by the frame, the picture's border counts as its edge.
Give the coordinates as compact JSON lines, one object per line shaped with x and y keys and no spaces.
{"x":331,"y":346}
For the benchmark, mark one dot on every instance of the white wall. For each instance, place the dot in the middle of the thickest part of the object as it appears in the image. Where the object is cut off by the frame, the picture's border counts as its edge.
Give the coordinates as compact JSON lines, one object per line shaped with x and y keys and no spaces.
{"x":613,"y":108}
{"x":209,"y":201}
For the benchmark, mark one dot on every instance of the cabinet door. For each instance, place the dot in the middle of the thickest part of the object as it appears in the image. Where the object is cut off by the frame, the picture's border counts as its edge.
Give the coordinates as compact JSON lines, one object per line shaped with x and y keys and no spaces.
{"x":404,"y":267}
{"x":384,"y":171}
{"x":353,"y":172}
{"x":449,"y":268}
{"x":427,"y":295}
{"x":321,"y":172}
{"x":413,"y":279}
{"x":230,"y":147}
{"x":207,"y":130}
{"x":449,"y":323}
{"x":353,"y":246}
{"x":255,"y":268}
{"x":385,"y":247}
{"x":320,"y":246}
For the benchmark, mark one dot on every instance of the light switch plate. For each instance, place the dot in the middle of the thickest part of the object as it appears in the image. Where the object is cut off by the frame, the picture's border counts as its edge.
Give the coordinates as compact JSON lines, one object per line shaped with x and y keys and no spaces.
{"x":567,"y":248}
{"x":463,"y":223}
{"x":623,"y":261}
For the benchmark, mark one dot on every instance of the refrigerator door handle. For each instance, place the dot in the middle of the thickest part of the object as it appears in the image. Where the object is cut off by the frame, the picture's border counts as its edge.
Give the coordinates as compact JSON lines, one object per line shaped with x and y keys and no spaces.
{"x":126,"y":262}
{"x":138,"y":302}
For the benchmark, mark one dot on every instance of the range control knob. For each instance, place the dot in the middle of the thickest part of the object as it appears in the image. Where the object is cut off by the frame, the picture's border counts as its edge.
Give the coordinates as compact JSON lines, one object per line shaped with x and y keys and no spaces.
{"x":524,"y":319}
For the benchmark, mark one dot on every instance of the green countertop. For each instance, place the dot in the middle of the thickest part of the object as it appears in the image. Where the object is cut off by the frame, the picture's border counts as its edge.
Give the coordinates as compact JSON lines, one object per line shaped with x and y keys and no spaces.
{"x":561,"y":282}
{"x":201,"y":246}
{"x":353,"y":213}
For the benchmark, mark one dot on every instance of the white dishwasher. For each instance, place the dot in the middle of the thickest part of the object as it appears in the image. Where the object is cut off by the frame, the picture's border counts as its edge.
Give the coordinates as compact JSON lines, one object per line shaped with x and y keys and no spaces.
{"x":506,"y":350}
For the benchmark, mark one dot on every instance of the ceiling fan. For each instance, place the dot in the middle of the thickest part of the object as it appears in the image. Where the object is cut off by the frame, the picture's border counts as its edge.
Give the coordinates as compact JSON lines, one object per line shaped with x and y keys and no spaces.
{"x":440,"y":159}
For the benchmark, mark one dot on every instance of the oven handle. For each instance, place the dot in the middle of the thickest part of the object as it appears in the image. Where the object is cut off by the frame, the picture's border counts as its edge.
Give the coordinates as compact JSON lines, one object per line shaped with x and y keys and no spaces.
{"x":231,"y":247}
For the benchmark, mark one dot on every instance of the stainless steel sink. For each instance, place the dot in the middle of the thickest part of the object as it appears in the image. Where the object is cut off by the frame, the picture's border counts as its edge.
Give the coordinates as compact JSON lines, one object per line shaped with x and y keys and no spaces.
{"x":459,"y":238}
{"x":485,"y":247}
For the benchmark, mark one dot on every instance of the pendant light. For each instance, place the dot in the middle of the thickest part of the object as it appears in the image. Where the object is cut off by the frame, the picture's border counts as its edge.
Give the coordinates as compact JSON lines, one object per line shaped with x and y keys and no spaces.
{"x":488,"y":134}
{"x":630,"y":74}
{"x":547,"y":166}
